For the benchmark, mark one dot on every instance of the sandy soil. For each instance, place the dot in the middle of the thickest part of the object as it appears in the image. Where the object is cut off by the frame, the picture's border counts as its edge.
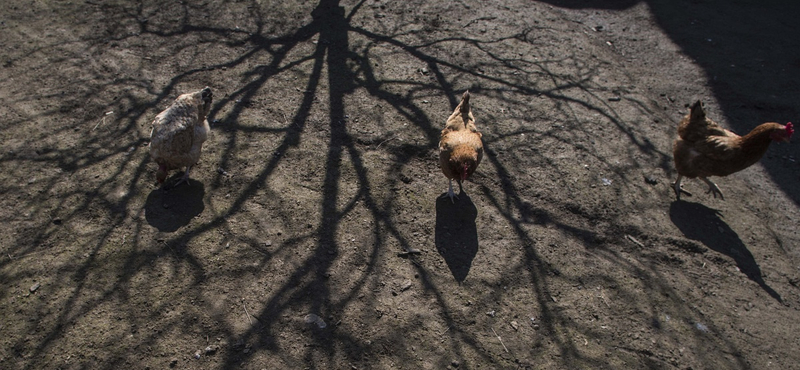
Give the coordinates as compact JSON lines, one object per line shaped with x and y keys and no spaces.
{"x":314,"y":234}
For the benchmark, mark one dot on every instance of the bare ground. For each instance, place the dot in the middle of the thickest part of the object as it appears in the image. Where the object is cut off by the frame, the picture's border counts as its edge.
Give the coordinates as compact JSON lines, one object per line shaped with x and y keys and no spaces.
{"x":566,"y":251}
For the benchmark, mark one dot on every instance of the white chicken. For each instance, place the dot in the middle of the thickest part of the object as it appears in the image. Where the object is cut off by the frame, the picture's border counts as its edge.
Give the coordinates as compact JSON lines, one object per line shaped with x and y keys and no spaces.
{"x":179,"y":132}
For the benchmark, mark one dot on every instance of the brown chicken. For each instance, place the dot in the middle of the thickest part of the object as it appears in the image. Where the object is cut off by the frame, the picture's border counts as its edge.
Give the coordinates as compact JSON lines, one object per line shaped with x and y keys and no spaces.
{"x":460,"y":146}
{"x":704,"y":148}
{"x":179,"y":132}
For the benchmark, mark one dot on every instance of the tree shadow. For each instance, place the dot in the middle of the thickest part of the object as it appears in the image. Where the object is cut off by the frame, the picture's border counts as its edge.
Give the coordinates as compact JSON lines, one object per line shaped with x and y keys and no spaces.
{"x":704,"y":224}
{"x":456,"y":233}
{"x":319,"y":267}
{"x":169,"y":210}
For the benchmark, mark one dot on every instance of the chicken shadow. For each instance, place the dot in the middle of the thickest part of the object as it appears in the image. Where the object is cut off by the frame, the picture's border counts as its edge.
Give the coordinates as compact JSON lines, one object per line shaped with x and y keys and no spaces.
{"x":169,"y":210}
{"x":698,"y":222}
{"x":456,"y":233}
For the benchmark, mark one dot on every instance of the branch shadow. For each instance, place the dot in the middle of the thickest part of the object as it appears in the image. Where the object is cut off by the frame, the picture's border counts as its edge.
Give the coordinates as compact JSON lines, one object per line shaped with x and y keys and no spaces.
{"x":307,"y":269}
{"x":456,"y":234}
{"x":704,"y":224}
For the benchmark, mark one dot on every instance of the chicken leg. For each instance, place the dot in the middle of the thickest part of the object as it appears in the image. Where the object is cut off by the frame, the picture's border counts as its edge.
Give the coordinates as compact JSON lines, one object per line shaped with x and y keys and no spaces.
{"x":451,"y":193}
{"x":678,"y":189}
{"x":712,"y":188}
{"x":184,"y":178}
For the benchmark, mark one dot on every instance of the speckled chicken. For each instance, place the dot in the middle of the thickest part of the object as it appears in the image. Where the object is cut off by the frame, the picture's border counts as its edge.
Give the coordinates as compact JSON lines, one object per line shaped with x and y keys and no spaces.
{"x":179,"y":132}
{"x":460,"y":146}
{"x":703,"y":148}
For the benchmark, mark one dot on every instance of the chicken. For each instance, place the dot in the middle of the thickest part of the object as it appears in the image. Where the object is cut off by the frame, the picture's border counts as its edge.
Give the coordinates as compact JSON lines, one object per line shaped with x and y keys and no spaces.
{"x":179,"y":132}
{"x":704,"y":148}
{"x":460,"y":146}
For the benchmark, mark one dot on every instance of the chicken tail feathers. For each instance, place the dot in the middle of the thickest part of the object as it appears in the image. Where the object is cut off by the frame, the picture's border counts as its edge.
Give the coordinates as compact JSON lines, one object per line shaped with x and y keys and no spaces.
{"x":463,"y":107}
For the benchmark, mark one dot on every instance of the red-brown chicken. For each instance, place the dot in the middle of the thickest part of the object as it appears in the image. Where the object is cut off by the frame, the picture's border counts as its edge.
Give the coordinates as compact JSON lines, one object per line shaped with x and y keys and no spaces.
{"x":703,"y":148}
{"x":460,"y":146}
{"x":179,"y":132}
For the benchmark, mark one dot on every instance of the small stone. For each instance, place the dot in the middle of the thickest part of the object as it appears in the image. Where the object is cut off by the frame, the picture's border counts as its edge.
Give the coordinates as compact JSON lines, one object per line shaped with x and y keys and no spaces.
{"x":197,"y":354}
{"x":701,"y":327}
{"x":314,"y":319}
{"x":409,"y":252}
{"x":455,"y":363}
{"x":35,"y":287}
{"x":491,"y":313}
{"x":650,"y":180}
{"x":173,"y":362}
{"x":210,"y":350}
{"x":515,"y":325}
{"x":406,"y":286}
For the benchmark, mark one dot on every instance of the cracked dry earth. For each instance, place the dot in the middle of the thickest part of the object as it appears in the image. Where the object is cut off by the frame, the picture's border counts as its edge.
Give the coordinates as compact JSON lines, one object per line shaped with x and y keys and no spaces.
{"x":314,"y":234}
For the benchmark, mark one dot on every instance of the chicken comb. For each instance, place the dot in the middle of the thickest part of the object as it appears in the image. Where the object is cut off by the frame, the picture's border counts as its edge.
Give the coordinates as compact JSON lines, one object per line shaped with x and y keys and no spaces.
{"x":789,"y":129}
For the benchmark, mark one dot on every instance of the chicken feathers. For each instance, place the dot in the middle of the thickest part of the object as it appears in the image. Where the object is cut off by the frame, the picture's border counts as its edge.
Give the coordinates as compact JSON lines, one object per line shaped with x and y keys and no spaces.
{"x":460,"y":146}
{"x":704,"y":148}
{"x":179,"y":132}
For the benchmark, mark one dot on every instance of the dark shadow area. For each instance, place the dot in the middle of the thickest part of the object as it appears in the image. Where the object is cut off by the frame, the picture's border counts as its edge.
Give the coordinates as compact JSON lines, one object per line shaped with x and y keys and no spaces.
{"x":328,"y":114}
{"x":169,"y":210}
{"x":698,"y":222}
{"x":456,"y":233}
{"x":750,"y":53}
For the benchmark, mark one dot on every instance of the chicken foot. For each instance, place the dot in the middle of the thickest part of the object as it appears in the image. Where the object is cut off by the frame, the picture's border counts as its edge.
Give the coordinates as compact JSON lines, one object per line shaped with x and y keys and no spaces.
{"x":678,"y":189}
{"x":712,"y":188}
{"x":184,"y":178}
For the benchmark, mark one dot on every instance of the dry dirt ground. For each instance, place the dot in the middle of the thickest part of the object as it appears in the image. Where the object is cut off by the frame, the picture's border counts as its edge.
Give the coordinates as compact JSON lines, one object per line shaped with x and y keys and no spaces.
{"x":295,"y":244}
